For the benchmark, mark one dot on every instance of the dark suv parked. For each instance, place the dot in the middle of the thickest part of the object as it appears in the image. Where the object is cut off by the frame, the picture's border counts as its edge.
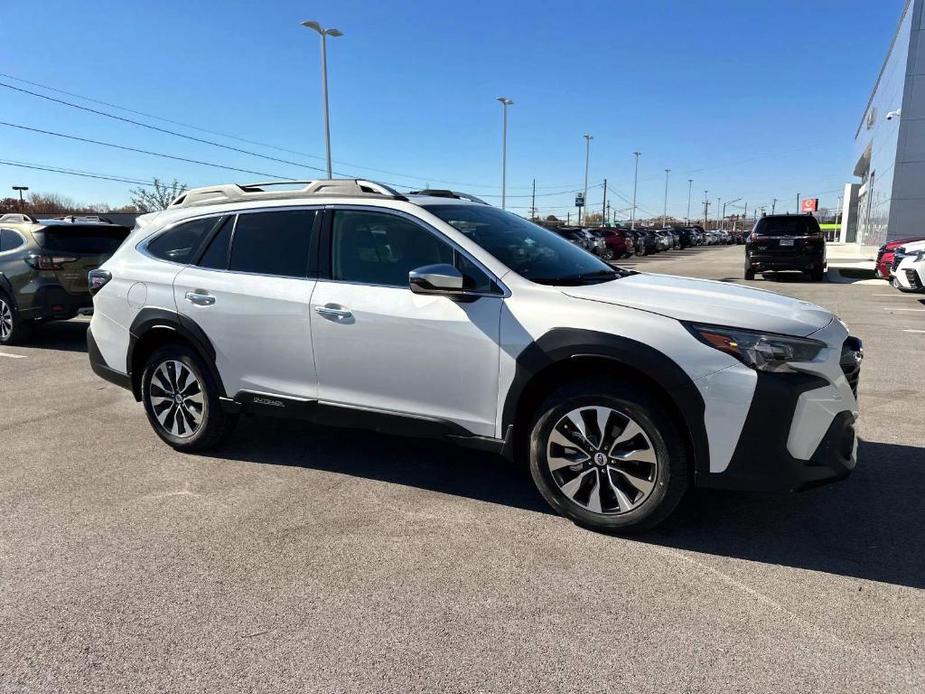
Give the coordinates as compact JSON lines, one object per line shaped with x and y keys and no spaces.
{"x":786,"y":242}
{"x":44,"y":266}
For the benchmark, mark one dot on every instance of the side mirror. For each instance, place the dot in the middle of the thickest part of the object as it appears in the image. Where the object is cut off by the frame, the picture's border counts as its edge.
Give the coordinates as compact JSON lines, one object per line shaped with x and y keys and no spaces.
{"x":436,"y":279}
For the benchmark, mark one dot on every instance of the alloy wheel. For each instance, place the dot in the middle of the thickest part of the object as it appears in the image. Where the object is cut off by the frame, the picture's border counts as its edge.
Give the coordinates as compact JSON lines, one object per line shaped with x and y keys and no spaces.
{"x":602,"y":460}
{"x":176,"y":398}
{"x":6,"y":320}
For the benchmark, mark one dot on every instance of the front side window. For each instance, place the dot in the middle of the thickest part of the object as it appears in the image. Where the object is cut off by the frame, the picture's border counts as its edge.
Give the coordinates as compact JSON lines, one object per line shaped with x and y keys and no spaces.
{"x":272,"y":243}
{"x":180,"y":243}
{"x":378,"y":248}
{"x":531,"y":251}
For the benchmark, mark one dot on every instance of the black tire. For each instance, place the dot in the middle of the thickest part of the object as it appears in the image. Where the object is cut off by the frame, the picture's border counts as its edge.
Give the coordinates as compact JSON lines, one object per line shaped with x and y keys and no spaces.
{"x":817,"y":274}
{"x":607,"y":254}
{"x":13,"y":329}
{"x":749,"y":272}
{"x":214,"y":423}
{"x":668,"y":480}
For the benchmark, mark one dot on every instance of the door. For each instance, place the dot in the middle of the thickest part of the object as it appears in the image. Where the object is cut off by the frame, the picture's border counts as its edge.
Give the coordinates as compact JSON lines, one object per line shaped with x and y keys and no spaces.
{"x":379,"y":346}
{"x":250,"y":291}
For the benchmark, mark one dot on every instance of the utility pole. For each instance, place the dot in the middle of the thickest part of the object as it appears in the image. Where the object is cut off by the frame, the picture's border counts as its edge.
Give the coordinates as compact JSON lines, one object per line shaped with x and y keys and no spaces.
{"x":773,"y":205}
{"x":588,"y":139}
{"x":635,"y":180}
{"x":690,"y":186}
{"x":568,"y":218}
{"x":798,"y":203}
{"x":665,"y":209}
{"x":604,"y":204}
{"x":706,"y":206}
{"x":717,"y":212}
{"x":533,"y":202}
{"x":608,"y":214}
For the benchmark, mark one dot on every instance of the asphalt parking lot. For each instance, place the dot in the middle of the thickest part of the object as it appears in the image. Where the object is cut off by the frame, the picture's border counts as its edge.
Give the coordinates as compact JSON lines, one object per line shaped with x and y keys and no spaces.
{"x":307,"y":559}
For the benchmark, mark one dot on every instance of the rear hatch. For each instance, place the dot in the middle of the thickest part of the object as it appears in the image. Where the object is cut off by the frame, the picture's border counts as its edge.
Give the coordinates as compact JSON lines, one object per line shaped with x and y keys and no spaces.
{"x":795,"y":235}
{"x":70,"y":251}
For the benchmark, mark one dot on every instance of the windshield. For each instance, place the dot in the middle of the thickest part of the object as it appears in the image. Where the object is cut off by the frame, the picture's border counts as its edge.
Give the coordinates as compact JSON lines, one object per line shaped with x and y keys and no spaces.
{"x":528,"y":249}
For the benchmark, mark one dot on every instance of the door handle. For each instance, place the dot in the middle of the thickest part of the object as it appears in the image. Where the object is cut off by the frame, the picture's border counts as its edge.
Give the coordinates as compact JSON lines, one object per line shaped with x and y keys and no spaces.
{"x":331,"y":312}
{"x":200,"y":298}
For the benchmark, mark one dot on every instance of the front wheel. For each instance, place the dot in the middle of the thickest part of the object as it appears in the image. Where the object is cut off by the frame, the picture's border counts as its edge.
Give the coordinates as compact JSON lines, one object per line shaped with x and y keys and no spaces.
{"x":181,"y":399}
{"x":607,"y":254}
{"x":608,"y":457}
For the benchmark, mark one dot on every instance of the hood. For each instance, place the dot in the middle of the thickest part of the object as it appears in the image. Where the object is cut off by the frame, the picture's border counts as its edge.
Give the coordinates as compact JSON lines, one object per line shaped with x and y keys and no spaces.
{"x":710,"y":302}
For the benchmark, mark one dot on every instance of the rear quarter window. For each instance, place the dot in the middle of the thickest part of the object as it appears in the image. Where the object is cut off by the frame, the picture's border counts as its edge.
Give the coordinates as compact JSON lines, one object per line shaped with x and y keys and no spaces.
{"x":179,"y":244}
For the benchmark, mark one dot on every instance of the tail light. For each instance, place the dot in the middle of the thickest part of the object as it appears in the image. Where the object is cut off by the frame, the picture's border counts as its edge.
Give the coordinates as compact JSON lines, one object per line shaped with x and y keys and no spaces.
{"x":48,"y":262}
{"x":97,"y":279}
{"x":753,"y":237}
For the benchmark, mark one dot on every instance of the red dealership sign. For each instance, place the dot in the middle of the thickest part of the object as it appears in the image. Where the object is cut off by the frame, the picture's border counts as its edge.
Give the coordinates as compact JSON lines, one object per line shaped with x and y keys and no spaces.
{"x":809,"y":205}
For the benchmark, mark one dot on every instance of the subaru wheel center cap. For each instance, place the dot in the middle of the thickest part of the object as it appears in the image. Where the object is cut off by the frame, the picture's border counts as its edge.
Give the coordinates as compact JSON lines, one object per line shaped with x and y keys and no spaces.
{"x":600,"y":458}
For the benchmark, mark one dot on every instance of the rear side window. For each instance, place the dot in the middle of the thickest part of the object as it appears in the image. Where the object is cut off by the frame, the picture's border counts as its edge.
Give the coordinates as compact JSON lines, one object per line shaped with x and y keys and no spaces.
{"x":90,"y":240}
{"x":10,"y":240}
{"x":272,"y":243}
{"x":787,"y":226}
{"x":179,"y":244}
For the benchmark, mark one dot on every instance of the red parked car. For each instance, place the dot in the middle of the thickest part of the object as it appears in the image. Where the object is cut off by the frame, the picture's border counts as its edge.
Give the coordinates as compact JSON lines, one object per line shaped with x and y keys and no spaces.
{"x":885,"y":255}
{"x":616,"y":244}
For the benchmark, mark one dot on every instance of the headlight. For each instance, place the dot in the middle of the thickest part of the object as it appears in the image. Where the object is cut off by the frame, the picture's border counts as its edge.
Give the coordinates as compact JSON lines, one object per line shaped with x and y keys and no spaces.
{"x":761,"y":351}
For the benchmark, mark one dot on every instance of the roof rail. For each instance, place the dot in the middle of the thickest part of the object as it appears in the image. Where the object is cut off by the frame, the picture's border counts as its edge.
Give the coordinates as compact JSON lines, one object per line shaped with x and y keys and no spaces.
{"x":441,"y":193}
{"x":17,"y":218}
{"x":234,"y":192}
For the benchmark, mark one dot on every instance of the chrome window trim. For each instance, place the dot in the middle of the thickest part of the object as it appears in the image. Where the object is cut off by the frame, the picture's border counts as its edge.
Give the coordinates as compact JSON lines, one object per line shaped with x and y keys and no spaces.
{"x":440,"y":236}
{"x":142,"y":246}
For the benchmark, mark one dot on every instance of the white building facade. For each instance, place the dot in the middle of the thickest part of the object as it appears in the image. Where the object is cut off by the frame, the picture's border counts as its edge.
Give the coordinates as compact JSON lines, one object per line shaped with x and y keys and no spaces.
{"x":887,"y":199}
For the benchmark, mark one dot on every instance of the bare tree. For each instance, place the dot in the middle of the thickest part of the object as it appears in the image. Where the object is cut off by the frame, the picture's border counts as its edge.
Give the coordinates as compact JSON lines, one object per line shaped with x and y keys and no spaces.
{"x":52,"y":203}
{"x":157,"y":198}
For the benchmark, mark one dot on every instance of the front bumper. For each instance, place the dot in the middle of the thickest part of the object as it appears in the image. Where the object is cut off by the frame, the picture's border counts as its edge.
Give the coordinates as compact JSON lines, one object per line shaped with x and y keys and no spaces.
{"x":798,"y":431}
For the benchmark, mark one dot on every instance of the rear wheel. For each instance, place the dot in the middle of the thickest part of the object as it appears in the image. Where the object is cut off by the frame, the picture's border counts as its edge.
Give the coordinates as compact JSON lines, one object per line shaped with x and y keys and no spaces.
{"x":181,"y":399}
{"x":608,"y":457}
{"x":13,"y":329}
{"x":607,"y":254}
{"x":749,"y":272}
{"x":817,"y":274}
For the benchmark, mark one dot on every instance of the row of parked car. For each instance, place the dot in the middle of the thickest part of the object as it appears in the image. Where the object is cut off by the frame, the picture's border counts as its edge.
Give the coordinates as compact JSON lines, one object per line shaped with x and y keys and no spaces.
{"x":613,"y":243}
{"x":902,"y":262}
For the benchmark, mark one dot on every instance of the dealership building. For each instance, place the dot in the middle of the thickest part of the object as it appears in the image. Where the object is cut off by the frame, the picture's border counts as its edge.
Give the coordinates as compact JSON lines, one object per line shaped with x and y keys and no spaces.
{"x":886,"y":200}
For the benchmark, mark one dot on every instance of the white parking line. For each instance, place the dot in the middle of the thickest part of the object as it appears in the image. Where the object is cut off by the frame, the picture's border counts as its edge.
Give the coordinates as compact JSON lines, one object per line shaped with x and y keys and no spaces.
{"x":921,"y":310}
{"x":913,"y":331}
{"x":12,"y":356}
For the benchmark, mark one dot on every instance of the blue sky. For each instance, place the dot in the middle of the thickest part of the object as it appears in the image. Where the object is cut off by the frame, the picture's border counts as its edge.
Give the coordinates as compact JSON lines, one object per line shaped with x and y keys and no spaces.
{"x":750,"y":99}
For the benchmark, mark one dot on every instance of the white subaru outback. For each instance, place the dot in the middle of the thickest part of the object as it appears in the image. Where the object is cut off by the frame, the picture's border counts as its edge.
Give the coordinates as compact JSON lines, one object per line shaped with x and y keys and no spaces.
{"x":434,"y":314}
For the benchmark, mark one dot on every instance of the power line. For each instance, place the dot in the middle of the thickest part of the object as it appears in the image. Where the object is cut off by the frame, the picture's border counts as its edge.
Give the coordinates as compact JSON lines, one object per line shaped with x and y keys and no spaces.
{"x":75,"y":172}
{"x":143,"y":151}
{"x":218,"y":133}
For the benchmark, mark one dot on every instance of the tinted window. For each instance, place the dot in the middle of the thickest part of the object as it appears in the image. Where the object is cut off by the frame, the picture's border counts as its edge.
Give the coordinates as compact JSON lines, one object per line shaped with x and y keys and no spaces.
{"x":530,"y":250}
{"x":9,"y":240}
{"x":787,"y":226}
{"x":272,"y":243}
{"x":216,"y":255}
{"x":377,"y":248}
{"x":96,"y":240}
{"x":179,"y":244}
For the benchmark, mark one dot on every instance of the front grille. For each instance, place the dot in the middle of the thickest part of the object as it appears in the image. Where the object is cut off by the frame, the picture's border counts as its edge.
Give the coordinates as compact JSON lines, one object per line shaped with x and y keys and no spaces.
{"x":852,"y":352}
{"x":897,"y":259}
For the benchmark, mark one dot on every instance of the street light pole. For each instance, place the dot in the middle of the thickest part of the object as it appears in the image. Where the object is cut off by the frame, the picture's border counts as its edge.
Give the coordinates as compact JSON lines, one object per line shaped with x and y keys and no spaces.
{"x":690,"y":187}
{"x":324,"y":33}
{"x":505,"y":102}
{"x":22,"y":205}
{"x":635,"y":180}
{"x":728,"y":202}
{"x":581,"y":209}
{"x":665,"y":209}
{"x":706,"y":209}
